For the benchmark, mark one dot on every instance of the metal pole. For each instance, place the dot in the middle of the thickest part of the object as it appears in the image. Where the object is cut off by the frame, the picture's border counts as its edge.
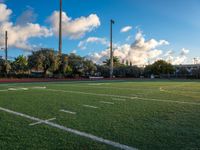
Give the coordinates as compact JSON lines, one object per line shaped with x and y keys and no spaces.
{"x":60,"y":29}
{"x":111,"y":49}
{"x":6,"y":45}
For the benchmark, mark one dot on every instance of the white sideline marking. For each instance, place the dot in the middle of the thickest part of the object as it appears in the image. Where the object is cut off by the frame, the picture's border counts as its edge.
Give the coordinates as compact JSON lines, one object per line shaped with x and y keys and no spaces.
{"x":161,"y":89}
{"x":107,"y":102}
{"x":83,"y":134}
{"x":39,"y":122}
{"x":126,"y":97}
{"x":66,"y":111}
{"x":118,"y":99}
{"x":86,"y":93}
{"x":98,"y":84}
{"x":16,"y":89}
{"x":117,"y":88}
{"x":38,"y":87}
{"x":170,"y":101}
{"x":90,"y":106}
{"x":12,"y":89}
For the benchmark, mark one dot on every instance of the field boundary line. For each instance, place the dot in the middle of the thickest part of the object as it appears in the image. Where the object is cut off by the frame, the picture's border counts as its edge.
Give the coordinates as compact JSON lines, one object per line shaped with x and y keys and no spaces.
{"x":118,"y":99}
{"x":106,"y":87}
{"x":67,"y":111}
{"x":90,"y":106}
{"x":39,"y":122}
{"x":126,"y":97}
{"x":76,"y":132}
{"x":104,"y":102}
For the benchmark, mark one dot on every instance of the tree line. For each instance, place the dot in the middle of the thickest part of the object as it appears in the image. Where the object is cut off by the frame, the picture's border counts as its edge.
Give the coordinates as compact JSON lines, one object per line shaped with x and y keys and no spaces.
{"x":48,"y":63}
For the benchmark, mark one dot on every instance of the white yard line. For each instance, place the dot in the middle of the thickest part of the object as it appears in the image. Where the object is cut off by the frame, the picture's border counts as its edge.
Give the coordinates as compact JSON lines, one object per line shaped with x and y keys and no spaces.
{"x":169,"y":101}
{"x":110,"y":103}
{"x":12,"y":89}
{"x":67,"y":111}
{"x":90,"y":106}
{"x":17,"y":89}
{"x":24,"y":89}
{"x":39,"y":122}
{"x":82,"y":134}
{"x":117,"y":88}
{"x":126,"y":97}
{"x":86,"y":93}
{"x":94,"y":84}
{"x":39,"y":87}
{"x":21,"y":89}
{"x":118,"y":99}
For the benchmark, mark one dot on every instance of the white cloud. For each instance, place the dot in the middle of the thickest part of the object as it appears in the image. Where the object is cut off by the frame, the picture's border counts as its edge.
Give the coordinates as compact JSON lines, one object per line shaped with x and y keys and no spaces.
{"x":5,"y":13}
{"x":74,"y":51}
{"x":139,"y":53}
{"x":129,"y":38}
{"x":83,"y":44}
{"x":177,"y":59}
{"x":184,"y":52}
{"x":141,"y":44}
{"x":28,"y":16}
{"x":76,"y":28}
{"x":126,"y":29}
{"x":19,"y":35}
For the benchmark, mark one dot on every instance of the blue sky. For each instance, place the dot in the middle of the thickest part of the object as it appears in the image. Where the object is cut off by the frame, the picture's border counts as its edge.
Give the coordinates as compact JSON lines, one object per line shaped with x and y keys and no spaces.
{"x":175,"y":21}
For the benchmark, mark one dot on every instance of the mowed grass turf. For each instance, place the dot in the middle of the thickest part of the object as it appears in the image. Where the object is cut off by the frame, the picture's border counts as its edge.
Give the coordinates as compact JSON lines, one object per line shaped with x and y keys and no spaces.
{"x":139,"y":114}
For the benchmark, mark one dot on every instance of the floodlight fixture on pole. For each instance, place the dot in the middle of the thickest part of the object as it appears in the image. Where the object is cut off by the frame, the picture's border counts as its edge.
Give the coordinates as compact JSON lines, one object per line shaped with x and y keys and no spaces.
{"x":111,"y":49}
{"x":6,"y":45}
{"x":60,"y":29}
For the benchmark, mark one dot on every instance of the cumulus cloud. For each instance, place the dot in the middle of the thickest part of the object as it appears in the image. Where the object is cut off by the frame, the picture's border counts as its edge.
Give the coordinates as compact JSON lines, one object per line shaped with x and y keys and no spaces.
{"x":5,"y":13}
{"x":126,"y":29}
{"x":139,"y":53}
{"x":74,"y":51}
{"x":28,"y":16}
{"x":83,"y":44}
{"x":141,"y":44}
{"x":19,"y":34}
{"x":196,"y":60}
{"x":129,"y":38}
{"x":181,"y":58}
{"x":74,"y":28}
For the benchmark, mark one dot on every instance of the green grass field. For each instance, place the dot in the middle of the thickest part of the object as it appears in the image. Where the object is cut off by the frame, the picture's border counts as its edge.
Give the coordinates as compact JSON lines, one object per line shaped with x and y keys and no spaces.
{"x":136,"y":114}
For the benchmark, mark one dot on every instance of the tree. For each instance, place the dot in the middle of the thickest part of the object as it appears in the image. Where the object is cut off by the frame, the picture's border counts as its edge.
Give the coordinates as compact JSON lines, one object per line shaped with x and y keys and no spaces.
{"x":116,"y":62}
{"x":5,"y":67}
{"x":44,"y":59}
{"x":62,"y":64}
{"x":103,"y":70}
{"x":76,"y":64}
{"x":127,"y":71}
{"x":160,"y":67}
{"x":20,"y":65}
{"x":89,"y":67}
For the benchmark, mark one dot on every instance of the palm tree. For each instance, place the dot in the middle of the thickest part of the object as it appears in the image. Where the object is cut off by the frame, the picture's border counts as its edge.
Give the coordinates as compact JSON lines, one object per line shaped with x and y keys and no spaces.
{"x":116,"y":61}
{"x":20,"y":65}
{"x":5,"y":67}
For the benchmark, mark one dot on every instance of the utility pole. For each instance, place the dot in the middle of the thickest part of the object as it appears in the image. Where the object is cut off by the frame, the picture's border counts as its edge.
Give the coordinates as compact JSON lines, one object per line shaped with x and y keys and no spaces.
{"x":60,"y":29}
{"x":111,"y":49}
{"x":6,"y":45}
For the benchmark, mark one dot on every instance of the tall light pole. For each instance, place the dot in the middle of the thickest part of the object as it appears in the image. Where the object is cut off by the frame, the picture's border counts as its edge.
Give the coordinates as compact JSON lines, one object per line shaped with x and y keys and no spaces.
{"x":6,"y":45}
{"x":60,"y":29}
{"x":111,"y":49}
